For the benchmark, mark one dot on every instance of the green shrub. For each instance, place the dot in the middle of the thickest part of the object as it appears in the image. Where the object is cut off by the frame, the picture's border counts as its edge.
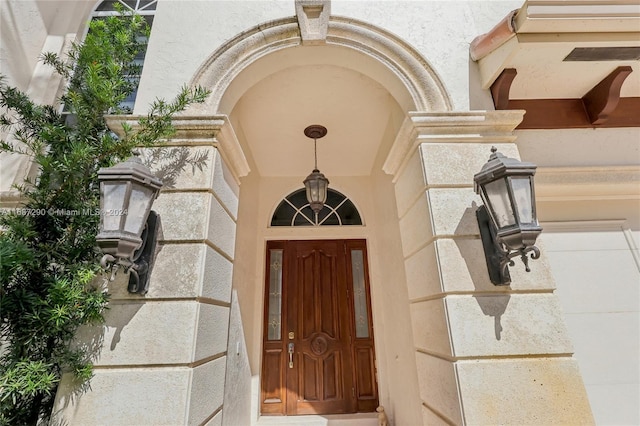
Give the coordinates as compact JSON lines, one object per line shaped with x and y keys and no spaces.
{"x":48,"y":259}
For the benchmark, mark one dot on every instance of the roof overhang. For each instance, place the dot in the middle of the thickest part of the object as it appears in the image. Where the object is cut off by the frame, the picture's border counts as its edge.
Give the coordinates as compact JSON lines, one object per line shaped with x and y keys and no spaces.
{"x":584,"y":55}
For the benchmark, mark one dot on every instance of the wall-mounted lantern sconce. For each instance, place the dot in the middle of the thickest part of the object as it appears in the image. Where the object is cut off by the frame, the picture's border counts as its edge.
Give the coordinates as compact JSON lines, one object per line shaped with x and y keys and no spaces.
{"x":128,"y":227}
{"x":316,"y":183}
{"x":508,"y":223}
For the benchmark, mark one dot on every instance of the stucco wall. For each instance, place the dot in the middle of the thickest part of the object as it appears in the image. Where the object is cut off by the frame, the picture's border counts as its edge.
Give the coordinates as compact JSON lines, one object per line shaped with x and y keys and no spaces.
{"x":237,"y":388}
{"x":431,"y":27}
{"x":169,"y":348}
{"x":23,"y":34}
{"x":597,"y":269}
{"x":177,"y":50}
{"x":185,"y":33}
{"x":580,"y":147}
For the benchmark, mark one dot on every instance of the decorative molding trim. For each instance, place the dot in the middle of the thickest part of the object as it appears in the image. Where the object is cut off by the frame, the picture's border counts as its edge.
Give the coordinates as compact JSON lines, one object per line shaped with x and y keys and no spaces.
{"x":313,"y":20}
{"x":583,"y":9}
{"x":584,"y":225}
{"x":554,"y":17}
{"x":449,"y":127}
{"x":425,"y":90}
{"x":11,"y":199}
{"x":214,"y":130}
{"x":416,"y":74}
{"x":223,"y":66}
{"x":588,"y":183}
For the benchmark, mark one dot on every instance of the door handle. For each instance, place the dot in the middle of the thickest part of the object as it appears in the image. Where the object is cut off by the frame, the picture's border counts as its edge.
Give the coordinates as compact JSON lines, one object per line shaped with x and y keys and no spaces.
{"x":291,"y":348}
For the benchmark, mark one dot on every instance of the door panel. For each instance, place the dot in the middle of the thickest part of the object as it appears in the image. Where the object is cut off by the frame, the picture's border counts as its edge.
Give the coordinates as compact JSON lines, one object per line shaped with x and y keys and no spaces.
{"x":318,"y":317}
{"x":329,"y":369}
{"x":273,"y":379}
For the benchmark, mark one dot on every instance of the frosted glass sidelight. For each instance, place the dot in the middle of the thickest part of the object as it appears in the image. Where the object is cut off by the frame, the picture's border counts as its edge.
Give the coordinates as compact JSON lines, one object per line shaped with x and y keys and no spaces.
{"x":275,"y":295}
{"x":359,"y":294}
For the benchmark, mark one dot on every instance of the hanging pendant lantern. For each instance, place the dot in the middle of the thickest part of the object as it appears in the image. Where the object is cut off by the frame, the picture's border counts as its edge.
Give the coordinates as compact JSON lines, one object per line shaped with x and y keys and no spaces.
{"x":316,"y":183}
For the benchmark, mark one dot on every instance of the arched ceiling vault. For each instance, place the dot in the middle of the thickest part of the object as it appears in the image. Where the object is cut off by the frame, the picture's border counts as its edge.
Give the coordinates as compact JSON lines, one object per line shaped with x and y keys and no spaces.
{"x":273,"y":113}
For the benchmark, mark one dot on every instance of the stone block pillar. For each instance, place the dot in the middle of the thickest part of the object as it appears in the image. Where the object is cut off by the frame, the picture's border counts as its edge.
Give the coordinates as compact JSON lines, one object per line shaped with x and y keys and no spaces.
{"x":160,"y":359}
{"x":485,"y":354}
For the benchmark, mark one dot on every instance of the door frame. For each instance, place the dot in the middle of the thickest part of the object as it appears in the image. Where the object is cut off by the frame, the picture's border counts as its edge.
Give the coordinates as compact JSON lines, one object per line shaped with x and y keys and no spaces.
{"x":270,"y":350}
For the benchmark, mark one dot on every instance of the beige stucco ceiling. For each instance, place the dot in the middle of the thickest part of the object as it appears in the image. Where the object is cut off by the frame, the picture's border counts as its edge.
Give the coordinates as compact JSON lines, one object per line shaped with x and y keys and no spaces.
{"x":273,"y":113}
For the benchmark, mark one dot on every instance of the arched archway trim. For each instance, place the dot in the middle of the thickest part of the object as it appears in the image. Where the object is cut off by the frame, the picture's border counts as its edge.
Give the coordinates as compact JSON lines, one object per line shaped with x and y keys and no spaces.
{"x":397,"y":66}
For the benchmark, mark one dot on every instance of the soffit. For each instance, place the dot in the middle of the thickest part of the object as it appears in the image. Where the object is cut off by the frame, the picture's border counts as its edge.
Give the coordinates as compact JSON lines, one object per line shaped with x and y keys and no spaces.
{"x":273,"y":113}
{"x":542,"y":34}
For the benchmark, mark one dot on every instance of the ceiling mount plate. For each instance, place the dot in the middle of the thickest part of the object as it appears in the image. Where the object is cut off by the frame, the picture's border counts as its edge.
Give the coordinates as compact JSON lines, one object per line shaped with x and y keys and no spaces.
{"x":315,"y":131}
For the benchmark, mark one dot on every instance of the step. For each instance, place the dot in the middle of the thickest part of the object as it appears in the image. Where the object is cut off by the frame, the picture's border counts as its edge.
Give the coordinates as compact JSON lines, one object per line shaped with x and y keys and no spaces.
{"x":358,"y":419}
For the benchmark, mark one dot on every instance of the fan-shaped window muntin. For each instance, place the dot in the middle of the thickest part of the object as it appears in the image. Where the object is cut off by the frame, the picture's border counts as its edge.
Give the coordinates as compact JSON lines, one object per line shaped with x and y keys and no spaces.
{"x":295,"y":210}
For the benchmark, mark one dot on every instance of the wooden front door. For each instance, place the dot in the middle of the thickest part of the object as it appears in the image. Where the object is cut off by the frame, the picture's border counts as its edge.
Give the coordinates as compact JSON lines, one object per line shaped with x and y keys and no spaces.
{"x":318,"y":353}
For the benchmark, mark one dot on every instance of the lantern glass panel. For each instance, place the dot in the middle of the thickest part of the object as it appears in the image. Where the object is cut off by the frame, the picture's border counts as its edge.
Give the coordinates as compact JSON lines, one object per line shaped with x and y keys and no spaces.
{"x":139,"y":206}
{"x":312,"y":190}
{"x":498,"y":197}
{"x":113,"y":195}
{"x":316,"y":190}
{"x":322,"y":190}
{"x":522,"y":196}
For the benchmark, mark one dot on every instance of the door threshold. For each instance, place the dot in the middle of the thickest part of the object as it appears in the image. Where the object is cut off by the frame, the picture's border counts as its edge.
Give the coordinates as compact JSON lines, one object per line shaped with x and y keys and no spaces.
{"x":355,"y":419}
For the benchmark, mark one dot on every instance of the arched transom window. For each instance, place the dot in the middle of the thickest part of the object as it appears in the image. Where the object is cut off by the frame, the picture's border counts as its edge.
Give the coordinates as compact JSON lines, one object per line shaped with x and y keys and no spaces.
{"x":294,"y":210}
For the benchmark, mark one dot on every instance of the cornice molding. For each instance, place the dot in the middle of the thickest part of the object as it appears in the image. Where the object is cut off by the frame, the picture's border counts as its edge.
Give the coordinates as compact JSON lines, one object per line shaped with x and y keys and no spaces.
{"x":11,"y":199}
{"x":588,"y":183}
{"x":552,"y":16}
{"x":449,"y":127}
{"x":214,"y":130}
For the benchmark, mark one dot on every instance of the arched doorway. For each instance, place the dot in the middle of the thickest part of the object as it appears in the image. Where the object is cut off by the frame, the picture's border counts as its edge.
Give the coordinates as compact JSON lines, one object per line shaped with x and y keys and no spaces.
{"x":318,"y":353}
{"x":361,"y":84}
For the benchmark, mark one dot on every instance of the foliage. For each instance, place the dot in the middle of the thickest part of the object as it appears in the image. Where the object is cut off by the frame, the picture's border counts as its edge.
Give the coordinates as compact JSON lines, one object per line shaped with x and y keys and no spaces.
{"x":48,"y":259}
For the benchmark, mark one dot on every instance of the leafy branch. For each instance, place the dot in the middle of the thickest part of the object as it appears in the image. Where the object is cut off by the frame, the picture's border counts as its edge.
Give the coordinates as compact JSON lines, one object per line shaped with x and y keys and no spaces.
{"x":48,"y":260}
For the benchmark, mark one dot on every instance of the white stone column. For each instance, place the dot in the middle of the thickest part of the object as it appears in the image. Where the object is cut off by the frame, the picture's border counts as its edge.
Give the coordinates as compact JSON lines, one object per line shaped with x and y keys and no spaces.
{"x":161,"y":358}
{"x":485,"y":354}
